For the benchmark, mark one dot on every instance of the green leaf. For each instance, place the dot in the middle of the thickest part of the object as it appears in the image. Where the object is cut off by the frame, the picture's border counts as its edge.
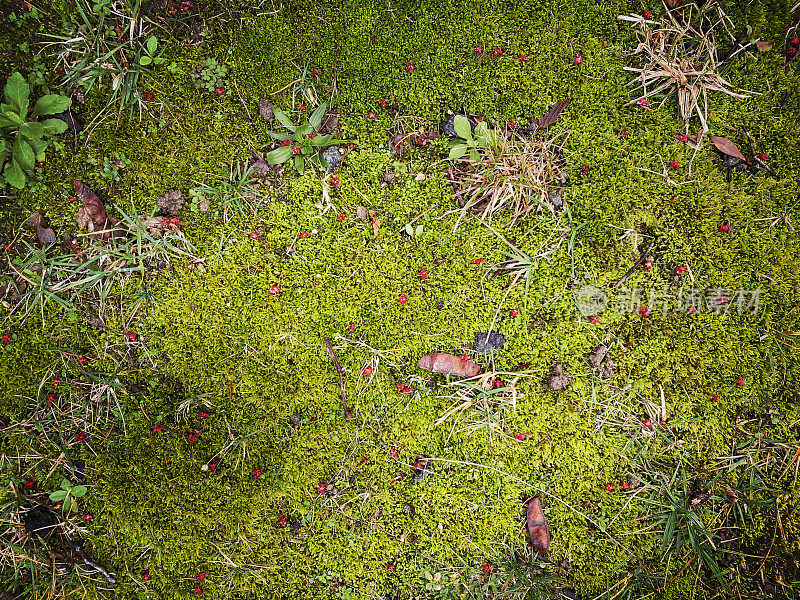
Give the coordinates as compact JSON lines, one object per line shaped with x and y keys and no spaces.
{"x":321,"y":140}
{"x":24,"y":154}
{"x":32,"y":129}
{"x":418,"y":230}
{"x":58,"y":496}
{"x":51,"y":104}
{"x":66,"y":485}
{"x":14,"y":175}
{"x":462,"y":127}
{"x":409,"y":229}
{"x":79,"y":490}
{"x":16,"y":93}
{"x":457,"y":152}
{"x":54,"y":126}
{"x":474,"y":156}
{"x":283,"y":119}
{"x":280,"y":155}
{"x":152,"y":44}
{"x":277,"y":135}
{"x":9,"y":116}
{"x":39,"y":146}
{"x":299,"y":164}
{"x":481,"y":130}
{"x":145,"y":60}
{"x":302,"y":130}
{"x":315,"y":120}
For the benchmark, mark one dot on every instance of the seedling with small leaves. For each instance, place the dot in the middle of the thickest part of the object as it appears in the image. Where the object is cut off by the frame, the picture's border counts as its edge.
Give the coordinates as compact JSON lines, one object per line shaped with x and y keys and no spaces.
{"x":471,"y":142}
{"x":303,"y":143}
{"x":67,"y":495}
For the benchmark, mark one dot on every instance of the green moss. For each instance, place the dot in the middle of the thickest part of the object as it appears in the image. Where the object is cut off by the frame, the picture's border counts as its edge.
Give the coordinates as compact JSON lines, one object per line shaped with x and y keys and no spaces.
{"x":217,"y":340}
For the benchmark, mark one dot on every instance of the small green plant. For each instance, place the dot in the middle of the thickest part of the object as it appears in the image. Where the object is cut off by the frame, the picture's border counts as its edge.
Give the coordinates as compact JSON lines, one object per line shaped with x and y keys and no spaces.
{"x":24,"y":138}
{"x":471,"y":142}
{"x":67,"y":496}
{"x":112,"y":165}
{"x":303,"y":143}
{"x":148,"y":55}
{"x":210,"y":76}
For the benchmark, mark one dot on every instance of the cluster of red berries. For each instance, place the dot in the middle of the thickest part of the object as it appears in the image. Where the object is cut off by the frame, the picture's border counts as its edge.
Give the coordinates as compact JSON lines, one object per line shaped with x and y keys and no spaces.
{"x":219,"y":91}
{"x":674,"y":164}
{"x":514,"y":311}
{"x":402,"y":299}
{"x":622,"y":484}
{"x":185,"y":6}
{"x":171,"y":223}
{"x":792,"y":47}
{"x":403,"y":388}
{"x":6,"y":339}
{"x":521,"y":436}
{"x":257,"y":473}
{"x":193,"y":436}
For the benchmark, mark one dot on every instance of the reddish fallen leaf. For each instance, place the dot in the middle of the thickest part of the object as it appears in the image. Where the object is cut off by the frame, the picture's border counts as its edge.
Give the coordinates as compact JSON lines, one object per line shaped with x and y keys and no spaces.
{"x":439,"y":362}
{"x":763,"y":46}
{"x":92,"y":216}
{"x":538,"y":532}
{"x":726,"y":146}
{"x":552,"y":115}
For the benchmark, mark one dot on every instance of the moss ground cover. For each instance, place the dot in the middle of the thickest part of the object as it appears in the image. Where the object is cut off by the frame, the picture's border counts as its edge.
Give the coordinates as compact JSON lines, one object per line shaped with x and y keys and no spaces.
{"x":207,"y":411}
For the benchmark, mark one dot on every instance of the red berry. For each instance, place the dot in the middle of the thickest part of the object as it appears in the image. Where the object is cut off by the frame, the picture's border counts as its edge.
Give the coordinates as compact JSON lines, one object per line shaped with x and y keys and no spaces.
{"x":522,"y":58}
{"x":418,"y":465}
{"x":642,"y":102}
{"x":200,"y":577}
{"x":335,"y":180}
{"x":371,"y":116}
{"x":497,"y":52}
{"x":648,"y":264}
{"x":382,"y":102}
{"x":198,"y":590}
{"x":714,"y":398}
{"x":674,"y":164}
{"x":511,"y":124}
{"x":479,"y":261}
{"x":297,"y":150}
{"x":351,"y":329}
{"x":287,"y":142}
{"x":80,"y":437}
{"x":594,"y":319}
{"x":257,"y":473}
{"x":521,"y":436}
{"x":624,"y":485}
{"x":282,"y":520}
{"x":390,"y":567}
{"x":402,"y":299}
{"x":584,"y":168}
{"x":321,"y":488}
{"x":647,"y":14}
{"x":477,"y":50}
{"x":274,"y":290}
{"x":647,"y":423}
{"x":146,"y":575}
{"x":254,"y":235}
{"x":303,"y":234}
{"x":681,"y":270}
{"x":302,"y":106}
{"x":487,"y":568}
{"x":51,"y":398}
{"x":609,"y":487}
{"x":739,"y":382}
{"x":219,"y":91}
{"x":147,"y":97}
{"x":724,"y":228}
{"x":87,"y":516}
{"x":762,"y":156}
{"x":366,"y":370}
{"x":6,"y":338}
{"x":683,"y":138}
{"x":644,"y":311}
{"x":341,"y":217}
{"x":410,"y":66}
{"x":578,"y":59}
{"x":514,"y":312}
{"x":692,"y":310}
{"x":423,"y":274}
{"x":158,"y":428}
{"x":624,"y":133}
{"x":314,"y":72}
{"x":794,"y":41}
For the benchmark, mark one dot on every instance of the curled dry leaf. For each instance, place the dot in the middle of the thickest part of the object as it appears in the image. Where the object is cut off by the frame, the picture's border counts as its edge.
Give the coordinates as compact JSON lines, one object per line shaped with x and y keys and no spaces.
{"x":538,"y":532}
{"x":552,"y":115}
{"x":439,"y":362}
{"x":45,"y":235}
{"x":726,"y":146}
{"x":92,"y":216}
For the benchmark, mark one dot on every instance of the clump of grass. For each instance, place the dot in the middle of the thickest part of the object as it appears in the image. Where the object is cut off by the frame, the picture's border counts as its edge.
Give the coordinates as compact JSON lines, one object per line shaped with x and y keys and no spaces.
{"x":679,"y":54}
{"x":517,"y":174}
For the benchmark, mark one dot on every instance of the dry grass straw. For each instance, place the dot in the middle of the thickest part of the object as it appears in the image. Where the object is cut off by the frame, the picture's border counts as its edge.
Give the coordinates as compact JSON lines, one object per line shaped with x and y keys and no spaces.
{"x":679,"y":55}
{"x":517,"y":175}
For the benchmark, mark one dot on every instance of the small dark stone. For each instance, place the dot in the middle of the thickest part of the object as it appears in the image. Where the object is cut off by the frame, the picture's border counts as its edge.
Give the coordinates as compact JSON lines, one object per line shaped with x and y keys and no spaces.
{"x":440,"y":305}
{"x":332,"y":157}
{"x":487,"y":341}
{"x":570,"y":594}
{"x":134,"y":388}
{"x":39,"y":520}
{"x":295,"y":526}
{"x":409,"y":508}
{"x":295,"y":419}
{"x":265,"y":110}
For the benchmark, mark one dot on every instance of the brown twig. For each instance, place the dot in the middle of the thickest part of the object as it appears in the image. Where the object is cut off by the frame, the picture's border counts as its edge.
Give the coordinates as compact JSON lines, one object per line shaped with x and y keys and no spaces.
{"x":635,"y":266}
{"x":341,"y":377}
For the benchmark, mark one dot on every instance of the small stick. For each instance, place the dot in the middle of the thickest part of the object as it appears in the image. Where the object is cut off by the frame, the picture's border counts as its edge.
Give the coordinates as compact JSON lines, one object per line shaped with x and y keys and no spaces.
{"x":635,"y":266}
{"x":99,"y":568}
{"x":341,"y":377}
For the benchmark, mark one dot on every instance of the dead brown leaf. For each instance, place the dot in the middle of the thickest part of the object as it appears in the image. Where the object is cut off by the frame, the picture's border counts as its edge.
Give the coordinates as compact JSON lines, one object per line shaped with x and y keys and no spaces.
{"x":552,"y":115}
{"x":763,"y":46}
{"x":439,"y":362}
{"x":538,"y":532}
{"x":726,"y":146}
{"x":396,"y":143}
{"x":45,"y":235}
{"x":92,"y":216}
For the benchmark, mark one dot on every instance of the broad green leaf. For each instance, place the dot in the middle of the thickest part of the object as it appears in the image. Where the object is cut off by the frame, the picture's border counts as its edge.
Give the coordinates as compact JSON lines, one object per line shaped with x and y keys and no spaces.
{"x":276,"y":135}
{"x":14,"y":175}
{"x":58,"y":496}
{"x":457,"y":152}
{"x":409,"y":229}
{"x":302,"y":130}
{"x":152,"y":44}
{"x":283,"y":119}
{"x":474,"y":156}
{"x":9,"y":116}
{"x":4,"y":153}
{"x":66,"y":485}
{"x":39,"y":146}
{"x":51,"y":104}
{"x":315,"y":120}
{"x":481,"y":130}
{"x":24,"y":154}
{"x":321,"y":140}
{"x":145,"y":60}
{"x":54,"y":126}
{"x":32,"y":129}
{"x":16,"y":93}
{"x":280,"y":155}
{"x":462,"y":127}
{"x":79,"y":490}
{"x":300,"y":164}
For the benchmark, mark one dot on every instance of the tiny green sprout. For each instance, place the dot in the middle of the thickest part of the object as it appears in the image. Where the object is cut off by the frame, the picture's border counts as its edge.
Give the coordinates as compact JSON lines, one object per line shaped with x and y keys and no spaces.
{"x":67,"y":495}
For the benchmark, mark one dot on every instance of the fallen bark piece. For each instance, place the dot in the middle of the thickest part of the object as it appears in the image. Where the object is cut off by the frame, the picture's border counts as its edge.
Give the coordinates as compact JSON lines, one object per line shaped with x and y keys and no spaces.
{"x":439,"y":362}
{"x":552,"y":115}
{"x":538,"y":532}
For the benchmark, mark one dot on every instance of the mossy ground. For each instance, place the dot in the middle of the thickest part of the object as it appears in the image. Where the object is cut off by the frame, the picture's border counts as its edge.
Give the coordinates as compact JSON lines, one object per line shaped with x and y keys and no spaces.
{"x":219,"y":336}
